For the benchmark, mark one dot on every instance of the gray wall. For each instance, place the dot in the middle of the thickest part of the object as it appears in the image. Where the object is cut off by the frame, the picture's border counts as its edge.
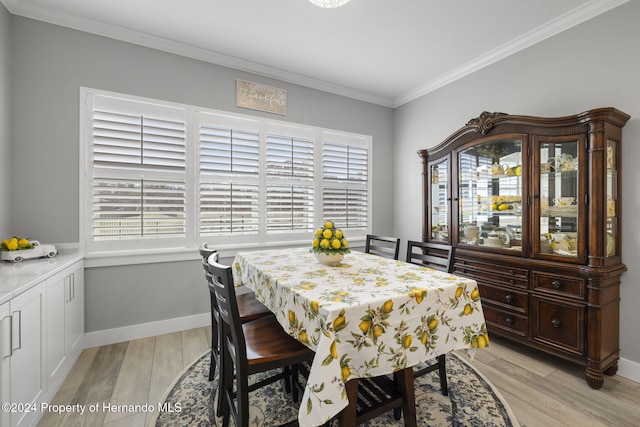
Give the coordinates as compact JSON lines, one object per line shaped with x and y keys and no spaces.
{"x":51,"y":63}
{"x":5,"y":113}
{"x":595,"y":64}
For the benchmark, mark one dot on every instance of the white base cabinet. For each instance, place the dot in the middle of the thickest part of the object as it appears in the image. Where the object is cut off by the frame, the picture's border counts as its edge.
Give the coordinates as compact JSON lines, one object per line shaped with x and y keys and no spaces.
{"x":65,"y":320}
{"x":41,"y":336}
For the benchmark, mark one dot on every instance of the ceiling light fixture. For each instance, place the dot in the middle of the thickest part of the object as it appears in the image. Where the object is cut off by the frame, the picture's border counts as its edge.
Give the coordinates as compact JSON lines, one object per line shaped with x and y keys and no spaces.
{"x":329,"y":3}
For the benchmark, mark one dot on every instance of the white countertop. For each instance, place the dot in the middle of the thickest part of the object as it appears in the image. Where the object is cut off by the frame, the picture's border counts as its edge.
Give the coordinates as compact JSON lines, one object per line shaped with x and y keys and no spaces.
{"x":16,"y":278}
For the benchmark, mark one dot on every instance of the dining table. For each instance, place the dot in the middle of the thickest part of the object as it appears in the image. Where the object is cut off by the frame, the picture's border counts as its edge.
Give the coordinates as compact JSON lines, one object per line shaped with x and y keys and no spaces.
{"x":365,"y":317}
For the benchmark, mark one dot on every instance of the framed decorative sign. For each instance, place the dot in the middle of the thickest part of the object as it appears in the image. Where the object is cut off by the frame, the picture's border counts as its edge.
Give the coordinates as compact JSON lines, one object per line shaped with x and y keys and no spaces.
{"x":257,"y":96}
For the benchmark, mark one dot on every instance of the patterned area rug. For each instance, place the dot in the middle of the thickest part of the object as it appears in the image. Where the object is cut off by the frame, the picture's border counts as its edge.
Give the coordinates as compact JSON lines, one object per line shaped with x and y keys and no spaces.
{"x":472,"y":401}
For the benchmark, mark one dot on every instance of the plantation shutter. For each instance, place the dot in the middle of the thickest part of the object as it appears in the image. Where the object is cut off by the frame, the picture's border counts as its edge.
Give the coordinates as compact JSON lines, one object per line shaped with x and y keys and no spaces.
{"x":345,"y":184}
{"x":139,"y":169}
{"x":289,"y":172}
{"x":229,"y":176}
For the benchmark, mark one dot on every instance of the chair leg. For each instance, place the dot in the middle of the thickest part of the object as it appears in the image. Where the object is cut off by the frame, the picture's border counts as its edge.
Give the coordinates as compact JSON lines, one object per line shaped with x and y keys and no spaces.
{"x":407,"y":389}
{"x":442,"y":371}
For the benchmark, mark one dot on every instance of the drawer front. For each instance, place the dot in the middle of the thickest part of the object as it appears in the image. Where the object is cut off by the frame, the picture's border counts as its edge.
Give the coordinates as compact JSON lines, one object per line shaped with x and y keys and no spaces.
{"x":510,"y":299}
{"x":560,"y":325}
{"x":498,"y":274}
{"x":505,"y":321}
{"x":559,"y":285}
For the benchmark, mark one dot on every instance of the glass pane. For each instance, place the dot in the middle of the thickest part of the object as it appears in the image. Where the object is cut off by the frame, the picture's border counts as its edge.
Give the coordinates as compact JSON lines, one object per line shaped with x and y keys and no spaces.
{"x":559,"y":198}
{"x":612,"y":199}
{"x":490,"y":195}
{"x":440,"y":204}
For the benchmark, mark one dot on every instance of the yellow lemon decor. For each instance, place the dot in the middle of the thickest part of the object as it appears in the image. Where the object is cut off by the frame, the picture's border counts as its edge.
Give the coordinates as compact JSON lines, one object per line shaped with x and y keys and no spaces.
{"x":15,"y":243}
{"x":329,"y":244}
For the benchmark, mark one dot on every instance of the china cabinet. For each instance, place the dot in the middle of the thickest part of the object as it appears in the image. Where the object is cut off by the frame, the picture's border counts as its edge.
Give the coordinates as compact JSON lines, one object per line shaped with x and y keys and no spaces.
{"x":532,"y":206}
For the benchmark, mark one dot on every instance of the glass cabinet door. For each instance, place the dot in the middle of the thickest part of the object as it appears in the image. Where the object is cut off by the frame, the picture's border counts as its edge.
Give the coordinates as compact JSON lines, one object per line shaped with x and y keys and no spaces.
{"x":558,"y":192}
{"x":440,"y":200}
{"x":490,"y":195}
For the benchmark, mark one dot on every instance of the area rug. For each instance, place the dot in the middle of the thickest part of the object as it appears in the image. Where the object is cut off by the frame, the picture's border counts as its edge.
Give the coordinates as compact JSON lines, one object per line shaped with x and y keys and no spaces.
{"x":472,"y":401}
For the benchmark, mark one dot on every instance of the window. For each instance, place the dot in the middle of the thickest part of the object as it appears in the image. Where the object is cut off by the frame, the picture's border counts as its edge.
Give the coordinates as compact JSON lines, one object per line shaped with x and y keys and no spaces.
{"x":162,"y":176}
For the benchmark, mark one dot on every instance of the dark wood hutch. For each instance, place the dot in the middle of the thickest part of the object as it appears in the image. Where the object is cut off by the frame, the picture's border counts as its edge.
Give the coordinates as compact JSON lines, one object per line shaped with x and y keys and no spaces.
{"x":532,"y":206}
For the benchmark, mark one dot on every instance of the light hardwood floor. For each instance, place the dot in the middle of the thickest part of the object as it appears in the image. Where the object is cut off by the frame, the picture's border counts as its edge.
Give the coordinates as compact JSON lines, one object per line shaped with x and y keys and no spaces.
{"x":541,"y":390}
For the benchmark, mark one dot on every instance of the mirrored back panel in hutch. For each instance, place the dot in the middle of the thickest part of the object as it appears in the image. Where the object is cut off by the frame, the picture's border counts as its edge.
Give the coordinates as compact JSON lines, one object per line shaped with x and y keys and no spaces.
{"x":532,"y":205}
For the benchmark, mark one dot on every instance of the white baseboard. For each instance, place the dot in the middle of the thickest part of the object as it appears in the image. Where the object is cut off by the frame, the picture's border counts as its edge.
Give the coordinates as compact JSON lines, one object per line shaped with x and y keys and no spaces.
{"x":144,"y":330}
{"x":629,"y":369}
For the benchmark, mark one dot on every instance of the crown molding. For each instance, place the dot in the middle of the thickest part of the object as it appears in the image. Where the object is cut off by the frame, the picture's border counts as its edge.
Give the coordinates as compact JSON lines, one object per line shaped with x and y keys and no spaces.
{"x":558,"y":25}
{"x":590,"y":10}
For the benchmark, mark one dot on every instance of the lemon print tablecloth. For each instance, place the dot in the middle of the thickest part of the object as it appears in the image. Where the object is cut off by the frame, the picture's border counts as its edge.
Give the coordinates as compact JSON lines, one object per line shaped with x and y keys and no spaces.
{"x":367,"y":316}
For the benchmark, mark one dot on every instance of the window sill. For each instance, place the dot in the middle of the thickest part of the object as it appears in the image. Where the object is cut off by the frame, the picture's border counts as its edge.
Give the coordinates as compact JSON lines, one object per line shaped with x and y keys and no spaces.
{"x":149,"y":256}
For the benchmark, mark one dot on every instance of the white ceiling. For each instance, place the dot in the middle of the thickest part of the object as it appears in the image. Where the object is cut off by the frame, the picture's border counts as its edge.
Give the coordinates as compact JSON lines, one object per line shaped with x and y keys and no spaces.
{"x":382,"y":51}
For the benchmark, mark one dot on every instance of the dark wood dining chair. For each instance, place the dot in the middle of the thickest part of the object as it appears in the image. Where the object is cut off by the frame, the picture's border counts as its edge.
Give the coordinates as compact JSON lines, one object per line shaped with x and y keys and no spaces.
{"x":249,"y":308}
{"x":439,"y":257}
{"x":250,"y":348}
{"x":388,"y":247}
{"x":371,"y":397}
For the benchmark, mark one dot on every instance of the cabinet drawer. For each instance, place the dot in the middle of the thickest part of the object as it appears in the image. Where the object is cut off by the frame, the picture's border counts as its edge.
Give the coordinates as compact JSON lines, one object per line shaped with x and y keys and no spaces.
{"x":559,"y":324}
{"x":500,"y":275}
{"x":509,"y":298}
{"x":561,"y":285}
{"x":505,"y":321}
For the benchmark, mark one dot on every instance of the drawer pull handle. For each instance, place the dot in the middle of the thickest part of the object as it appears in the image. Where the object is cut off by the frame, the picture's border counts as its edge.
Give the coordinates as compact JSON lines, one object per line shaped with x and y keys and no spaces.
{"x":511,"y":272}
{"x":512,"y":282}
{"x":556,"y":323}
{"x":556,"y":284}
{"x":509,"y":321}
{"x":508,"y":298}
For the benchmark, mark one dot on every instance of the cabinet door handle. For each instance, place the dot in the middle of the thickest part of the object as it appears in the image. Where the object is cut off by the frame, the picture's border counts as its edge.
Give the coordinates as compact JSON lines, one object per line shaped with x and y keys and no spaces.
{"x":556,"y":323}
{"x":509,"y":321}
{"x":16,"y":327}
{"x":556,"y":284}
{"x":508,"y":298}
{"x":6,"y":337}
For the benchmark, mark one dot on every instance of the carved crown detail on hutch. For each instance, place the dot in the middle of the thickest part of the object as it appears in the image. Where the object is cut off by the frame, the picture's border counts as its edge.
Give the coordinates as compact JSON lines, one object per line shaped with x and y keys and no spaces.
{"x":532,"y":205}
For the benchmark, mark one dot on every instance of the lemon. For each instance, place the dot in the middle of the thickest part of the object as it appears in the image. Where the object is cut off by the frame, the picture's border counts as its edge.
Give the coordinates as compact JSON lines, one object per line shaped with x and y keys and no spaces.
{"x":407,"y":341}
{"x":387,"y":307}
{"x":315,"y":306}
{"x":318,"y":232}
{"x":481,"y":342}
{"x":327,"y":234}
{"x":503,"y":207}
{"x":518,"y":170}
{"x":324,"y":243}
{"x":377,"y":330}
{"x":433,"y":324}
{"x":459,"y":291}
{"x":338,"y":322}
{"x":315,"y":243}
{"x":12,"y":245}
{"x":494,"y":206}
{"x":23,"y":243}
{"x":468,"y":309}
{"x":345,"y":244}
{"x":364,"y":326}
{"x":303,"y":337}
{"x":475,"y":294}
{"x":346,"y":372}
{"x":333,"y":350}
{"x":424,"y":337}
{"x":292,"y":316}
{"x":335,"y":244}
{"x":328,"y":224}
{"x":339,"y":234}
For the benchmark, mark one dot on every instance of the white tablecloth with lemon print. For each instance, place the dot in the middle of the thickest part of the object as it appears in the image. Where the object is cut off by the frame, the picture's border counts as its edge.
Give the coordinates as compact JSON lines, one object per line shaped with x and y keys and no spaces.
{"x":366,"y":317}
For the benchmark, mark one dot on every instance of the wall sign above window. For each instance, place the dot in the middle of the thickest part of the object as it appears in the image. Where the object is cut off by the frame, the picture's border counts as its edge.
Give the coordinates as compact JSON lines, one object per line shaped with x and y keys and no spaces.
{"x":257,"y":96}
